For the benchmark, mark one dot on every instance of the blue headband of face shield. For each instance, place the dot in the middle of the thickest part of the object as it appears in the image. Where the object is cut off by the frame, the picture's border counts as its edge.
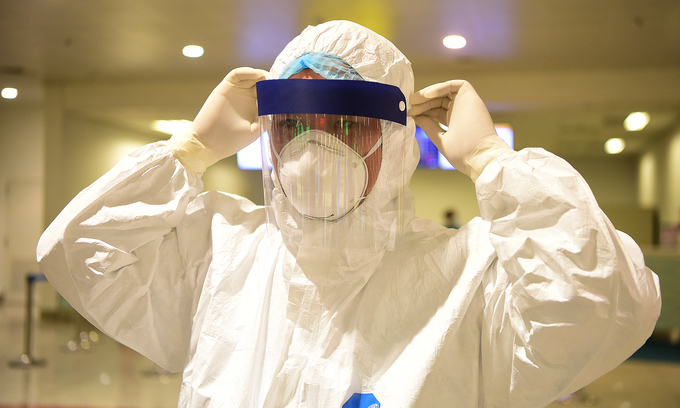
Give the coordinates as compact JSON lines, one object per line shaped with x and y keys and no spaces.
{"x":327,"y":65}
{"x":344,"y":92}
{"x":331,"y":96}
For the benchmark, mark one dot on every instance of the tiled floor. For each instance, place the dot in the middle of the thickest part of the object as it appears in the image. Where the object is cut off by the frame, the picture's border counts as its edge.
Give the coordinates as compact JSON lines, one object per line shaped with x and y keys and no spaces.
{"x":105,"y":375}
{"x":110,"y":375}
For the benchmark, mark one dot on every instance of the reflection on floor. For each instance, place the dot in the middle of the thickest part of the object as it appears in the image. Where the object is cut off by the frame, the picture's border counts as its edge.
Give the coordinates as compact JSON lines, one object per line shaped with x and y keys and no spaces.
{"x":82,"y":369}
{"x":86,"y":369}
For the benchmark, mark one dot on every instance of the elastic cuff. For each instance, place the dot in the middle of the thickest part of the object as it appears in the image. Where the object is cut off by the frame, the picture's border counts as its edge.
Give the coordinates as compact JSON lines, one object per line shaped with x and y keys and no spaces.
{"x":486,"y":152}
{"x":190,"y":151}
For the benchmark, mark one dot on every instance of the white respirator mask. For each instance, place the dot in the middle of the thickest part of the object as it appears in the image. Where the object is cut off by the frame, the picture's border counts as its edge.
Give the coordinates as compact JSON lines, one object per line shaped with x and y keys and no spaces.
{"x":322,"y":177}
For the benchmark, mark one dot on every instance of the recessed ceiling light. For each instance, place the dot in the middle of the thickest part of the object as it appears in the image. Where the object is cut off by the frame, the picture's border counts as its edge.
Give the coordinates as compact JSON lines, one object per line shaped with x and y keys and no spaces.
{"x":636,"y":121}
{"x":192,"y":51}
{"x":9,"y":93}
{"x":614,"y":145}
{"x":454,"y":42}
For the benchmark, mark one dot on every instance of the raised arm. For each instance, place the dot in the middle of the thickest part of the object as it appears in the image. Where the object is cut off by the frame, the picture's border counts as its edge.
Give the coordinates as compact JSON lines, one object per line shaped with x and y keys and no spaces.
{"x":114,"y":254}
{"x":569,"y":297}
{"x":130,"y":252}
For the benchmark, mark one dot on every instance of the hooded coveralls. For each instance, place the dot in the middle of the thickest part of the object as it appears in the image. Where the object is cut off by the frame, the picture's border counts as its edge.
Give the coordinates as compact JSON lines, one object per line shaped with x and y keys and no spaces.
{"x":531,"y":301}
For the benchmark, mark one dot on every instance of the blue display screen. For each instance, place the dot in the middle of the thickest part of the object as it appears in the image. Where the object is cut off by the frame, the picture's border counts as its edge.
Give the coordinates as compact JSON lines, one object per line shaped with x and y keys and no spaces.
{"x":431,"y":158}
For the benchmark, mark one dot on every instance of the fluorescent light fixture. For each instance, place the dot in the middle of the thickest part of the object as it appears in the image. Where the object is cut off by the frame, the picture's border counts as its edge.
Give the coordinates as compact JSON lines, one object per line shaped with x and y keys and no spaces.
{"x":250,"y":157}
{"x":454,"y":42}
{"x":506,"y":133}
{"x":192,"y":51}
{"x":169,"y":126}
{"x":503,"y":130}
{"x":614,"y":145}
{"x":9,"y":93}
{"x":636,"y":121}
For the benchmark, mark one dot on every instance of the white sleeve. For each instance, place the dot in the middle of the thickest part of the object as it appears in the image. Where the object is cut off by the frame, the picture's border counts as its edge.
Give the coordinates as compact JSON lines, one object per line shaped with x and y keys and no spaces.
{"x":569,"y":297}
{"x":115,"y":255}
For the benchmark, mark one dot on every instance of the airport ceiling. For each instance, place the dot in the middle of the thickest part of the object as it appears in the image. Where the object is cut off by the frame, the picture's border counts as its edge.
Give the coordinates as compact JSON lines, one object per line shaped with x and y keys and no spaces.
{"x":563,"y":73}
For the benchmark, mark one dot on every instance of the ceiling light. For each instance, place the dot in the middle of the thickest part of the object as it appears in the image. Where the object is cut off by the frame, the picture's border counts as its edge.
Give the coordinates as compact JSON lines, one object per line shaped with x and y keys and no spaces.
{"x":455,"y":42}
{"x":614,"y":145}
{"x":192,"y":51}
{"x":636,"y":121}
{"x":169,"y":126}
{"x":9,"y":93}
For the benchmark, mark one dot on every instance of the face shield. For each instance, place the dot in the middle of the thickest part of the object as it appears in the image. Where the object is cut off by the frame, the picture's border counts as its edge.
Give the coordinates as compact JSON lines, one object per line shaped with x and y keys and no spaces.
{"x":323,"y":146}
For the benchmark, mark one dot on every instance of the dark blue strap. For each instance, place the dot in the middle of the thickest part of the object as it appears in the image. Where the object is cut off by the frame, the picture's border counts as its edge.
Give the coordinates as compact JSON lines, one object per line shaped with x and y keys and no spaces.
{"x":331,"y":96}
{"x":35,"y":277}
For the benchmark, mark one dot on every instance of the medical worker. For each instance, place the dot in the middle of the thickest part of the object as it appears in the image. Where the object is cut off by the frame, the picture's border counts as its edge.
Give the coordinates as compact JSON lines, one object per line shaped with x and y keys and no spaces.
{"x":341,"y":297}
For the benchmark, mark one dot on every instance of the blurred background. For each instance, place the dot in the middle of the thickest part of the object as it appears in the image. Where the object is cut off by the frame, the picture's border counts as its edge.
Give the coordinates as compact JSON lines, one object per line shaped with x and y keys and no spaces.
{"x":85,"y":82}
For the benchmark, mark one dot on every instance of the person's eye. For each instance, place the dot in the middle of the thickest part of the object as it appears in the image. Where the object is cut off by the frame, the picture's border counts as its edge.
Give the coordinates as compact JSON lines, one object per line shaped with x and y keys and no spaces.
{"x":290,"y":123}
{"x":348,"y":126}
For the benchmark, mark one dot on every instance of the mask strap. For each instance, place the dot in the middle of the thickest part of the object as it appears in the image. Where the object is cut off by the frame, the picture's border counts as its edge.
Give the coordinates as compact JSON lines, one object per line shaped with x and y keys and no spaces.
{"x":276,"y":154}
{"x":370,"y":152}
{"x":374,"y":148}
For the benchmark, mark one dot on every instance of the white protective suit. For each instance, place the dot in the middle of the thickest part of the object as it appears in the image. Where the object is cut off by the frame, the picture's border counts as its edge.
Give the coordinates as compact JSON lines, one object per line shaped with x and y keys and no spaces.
{"x":532,"y":301}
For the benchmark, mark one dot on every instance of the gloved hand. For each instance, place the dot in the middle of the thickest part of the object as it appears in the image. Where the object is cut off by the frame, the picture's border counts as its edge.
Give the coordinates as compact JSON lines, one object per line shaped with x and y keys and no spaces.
{"x":226,"y":123}
{"x":471,"y":141}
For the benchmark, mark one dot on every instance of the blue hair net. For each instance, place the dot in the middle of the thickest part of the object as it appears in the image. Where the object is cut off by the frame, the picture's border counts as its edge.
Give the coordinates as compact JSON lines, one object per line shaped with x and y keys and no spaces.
{"x":327,"y":65}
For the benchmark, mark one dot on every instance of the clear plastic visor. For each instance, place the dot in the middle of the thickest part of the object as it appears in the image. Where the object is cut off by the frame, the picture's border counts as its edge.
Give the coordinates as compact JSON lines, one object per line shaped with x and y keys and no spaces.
{"x":322,"y":171}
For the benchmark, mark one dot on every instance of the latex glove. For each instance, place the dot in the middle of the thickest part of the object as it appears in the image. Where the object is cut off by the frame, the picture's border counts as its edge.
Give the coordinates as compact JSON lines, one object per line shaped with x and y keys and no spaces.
{"x":471,"y":141}
{"x":226,"y":123}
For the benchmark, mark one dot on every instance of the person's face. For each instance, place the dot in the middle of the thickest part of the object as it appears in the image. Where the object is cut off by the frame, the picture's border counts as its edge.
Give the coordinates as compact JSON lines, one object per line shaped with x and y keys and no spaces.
{"x":359,"y":133}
